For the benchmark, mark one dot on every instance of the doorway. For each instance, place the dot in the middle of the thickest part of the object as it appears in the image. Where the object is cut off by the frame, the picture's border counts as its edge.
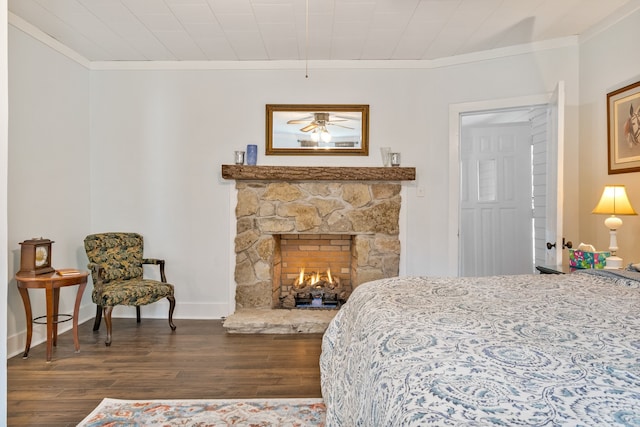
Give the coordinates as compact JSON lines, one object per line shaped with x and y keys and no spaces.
{"x":496,"y":197}
{"x":542,"y":120}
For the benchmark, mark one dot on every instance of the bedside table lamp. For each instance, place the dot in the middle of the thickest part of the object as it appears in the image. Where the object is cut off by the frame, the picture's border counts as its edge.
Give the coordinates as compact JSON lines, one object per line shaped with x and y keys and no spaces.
{"x":614,"y":201}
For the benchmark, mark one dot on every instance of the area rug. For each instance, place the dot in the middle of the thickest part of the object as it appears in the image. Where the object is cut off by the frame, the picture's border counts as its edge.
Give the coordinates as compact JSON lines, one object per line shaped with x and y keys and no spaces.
{"x":209,"y":413}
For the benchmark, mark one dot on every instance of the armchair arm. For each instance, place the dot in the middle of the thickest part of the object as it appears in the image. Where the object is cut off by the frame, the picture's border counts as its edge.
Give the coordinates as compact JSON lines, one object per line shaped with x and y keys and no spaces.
{"x":97,"y":273}
{"x":159,"y":262}
{"x":95,"y":269}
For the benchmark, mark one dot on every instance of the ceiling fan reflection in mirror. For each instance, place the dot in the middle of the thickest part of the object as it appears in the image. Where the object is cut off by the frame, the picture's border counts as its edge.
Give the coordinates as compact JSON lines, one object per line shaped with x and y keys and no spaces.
{"x":317,"y":129}
{"x":318,"y":125}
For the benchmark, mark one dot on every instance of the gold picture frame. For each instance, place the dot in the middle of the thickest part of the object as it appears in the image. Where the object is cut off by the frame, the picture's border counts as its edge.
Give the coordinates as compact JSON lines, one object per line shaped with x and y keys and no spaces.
{"x":623,"y":129}
{"x":317,"y":129}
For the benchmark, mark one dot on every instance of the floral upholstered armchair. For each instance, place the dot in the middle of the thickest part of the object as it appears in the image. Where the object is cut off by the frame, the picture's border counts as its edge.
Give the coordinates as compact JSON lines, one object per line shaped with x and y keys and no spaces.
{"x":115,"y":261}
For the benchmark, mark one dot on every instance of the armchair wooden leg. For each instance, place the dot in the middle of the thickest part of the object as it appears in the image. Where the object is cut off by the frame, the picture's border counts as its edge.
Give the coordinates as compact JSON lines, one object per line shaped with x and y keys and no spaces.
{"x":96,"y":323}
{"x":172,"y":306}
{"x":138,"y":313}
{"x":107,"y":321}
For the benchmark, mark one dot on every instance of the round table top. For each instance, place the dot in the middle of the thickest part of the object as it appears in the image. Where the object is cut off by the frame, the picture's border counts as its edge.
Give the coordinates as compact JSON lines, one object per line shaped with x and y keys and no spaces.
{"x":61,"y":277}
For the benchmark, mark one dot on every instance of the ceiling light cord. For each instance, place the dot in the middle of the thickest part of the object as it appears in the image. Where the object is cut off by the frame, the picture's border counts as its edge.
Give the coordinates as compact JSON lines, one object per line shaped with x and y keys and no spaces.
{"x":306,"y":47}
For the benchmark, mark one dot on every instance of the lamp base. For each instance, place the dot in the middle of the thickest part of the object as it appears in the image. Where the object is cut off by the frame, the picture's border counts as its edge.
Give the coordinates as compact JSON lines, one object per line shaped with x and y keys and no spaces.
{"x":613,"y":263}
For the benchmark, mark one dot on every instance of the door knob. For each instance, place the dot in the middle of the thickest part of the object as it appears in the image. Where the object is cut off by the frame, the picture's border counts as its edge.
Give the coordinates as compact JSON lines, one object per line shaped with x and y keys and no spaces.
{"x":564,"y":245}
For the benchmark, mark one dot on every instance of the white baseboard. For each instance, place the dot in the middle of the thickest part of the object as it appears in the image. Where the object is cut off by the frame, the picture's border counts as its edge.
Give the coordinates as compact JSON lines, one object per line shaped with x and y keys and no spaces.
{"x":159,"y":310}
{"x":16,"y":342}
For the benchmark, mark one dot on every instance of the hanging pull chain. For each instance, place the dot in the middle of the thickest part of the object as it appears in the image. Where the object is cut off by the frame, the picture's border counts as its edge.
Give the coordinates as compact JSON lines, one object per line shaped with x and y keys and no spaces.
{"x":306,"y":47}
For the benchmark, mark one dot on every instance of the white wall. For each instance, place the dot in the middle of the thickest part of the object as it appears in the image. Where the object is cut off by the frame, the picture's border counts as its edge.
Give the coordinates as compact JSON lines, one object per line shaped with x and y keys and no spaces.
{"x":607,"y":63}
{"x":160,"y":136}
{"x":48,"y":182}
{"x":4,"y":143}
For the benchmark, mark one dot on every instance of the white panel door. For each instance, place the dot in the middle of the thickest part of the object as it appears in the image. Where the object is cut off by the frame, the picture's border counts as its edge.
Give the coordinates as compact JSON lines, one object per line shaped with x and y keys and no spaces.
{"x":540,"y":137}
{"x":555,"y":176}
{"x":496,"y":200}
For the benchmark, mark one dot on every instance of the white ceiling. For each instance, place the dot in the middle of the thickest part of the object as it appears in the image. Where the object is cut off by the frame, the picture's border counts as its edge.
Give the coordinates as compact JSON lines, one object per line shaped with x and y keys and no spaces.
{"x":243,"y":30}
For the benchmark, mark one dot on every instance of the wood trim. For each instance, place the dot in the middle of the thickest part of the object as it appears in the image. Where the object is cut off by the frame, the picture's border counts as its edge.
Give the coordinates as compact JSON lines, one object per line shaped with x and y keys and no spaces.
{"x":317,"y":173}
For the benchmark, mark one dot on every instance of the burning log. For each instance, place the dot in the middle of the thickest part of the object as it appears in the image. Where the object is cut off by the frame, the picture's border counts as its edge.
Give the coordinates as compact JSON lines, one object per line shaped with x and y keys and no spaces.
{"x":316,"y":280}
{"x":315,"y":288}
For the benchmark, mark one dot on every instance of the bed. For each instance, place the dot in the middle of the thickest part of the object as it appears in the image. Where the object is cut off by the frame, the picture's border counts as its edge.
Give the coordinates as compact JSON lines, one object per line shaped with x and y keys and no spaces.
{"x":505,"y":350}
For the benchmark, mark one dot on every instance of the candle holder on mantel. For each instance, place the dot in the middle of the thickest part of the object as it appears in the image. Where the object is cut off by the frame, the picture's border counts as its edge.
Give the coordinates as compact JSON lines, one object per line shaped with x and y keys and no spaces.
{"x":239,"y":157}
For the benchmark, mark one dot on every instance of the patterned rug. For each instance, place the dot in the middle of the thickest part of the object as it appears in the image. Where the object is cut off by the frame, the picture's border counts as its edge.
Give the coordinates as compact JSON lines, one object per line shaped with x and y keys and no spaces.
{"x":209,"y":413}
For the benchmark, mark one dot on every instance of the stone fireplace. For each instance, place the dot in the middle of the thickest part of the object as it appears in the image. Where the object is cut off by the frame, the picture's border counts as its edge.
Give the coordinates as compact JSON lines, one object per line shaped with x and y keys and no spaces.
{"x":355,"y":211}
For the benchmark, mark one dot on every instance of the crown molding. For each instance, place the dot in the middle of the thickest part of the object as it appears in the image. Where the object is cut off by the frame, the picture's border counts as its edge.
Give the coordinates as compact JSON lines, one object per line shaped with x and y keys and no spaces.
{"x":623,"y":12}
{"x":41,"y":36}
{"x":339,"y":64}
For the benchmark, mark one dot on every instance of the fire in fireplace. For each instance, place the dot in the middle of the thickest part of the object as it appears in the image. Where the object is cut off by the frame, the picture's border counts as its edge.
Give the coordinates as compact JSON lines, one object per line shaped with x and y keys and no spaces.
{"x":313,"y":270}
{"x":315,"y":290}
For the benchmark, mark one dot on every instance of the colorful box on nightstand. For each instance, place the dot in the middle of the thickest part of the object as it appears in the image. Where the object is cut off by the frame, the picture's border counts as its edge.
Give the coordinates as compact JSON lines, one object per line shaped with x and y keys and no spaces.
{"x":585,"y":259}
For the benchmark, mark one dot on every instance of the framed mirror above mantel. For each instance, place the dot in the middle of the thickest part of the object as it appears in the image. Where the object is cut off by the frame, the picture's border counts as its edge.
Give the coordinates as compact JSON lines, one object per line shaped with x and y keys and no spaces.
{"x":317,"y":129}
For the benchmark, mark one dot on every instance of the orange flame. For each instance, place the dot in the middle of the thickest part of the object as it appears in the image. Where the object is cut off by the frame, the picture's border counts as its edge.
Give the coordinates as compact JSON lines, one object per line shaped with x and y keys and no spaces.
{"x":315,"y":279}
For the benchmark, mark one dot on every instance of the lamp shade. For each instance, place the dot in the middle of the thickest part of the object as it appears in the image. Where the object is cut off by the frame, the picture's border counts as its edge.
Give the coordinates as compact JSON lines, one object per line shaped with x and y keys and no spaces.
{"x":614,"y":201}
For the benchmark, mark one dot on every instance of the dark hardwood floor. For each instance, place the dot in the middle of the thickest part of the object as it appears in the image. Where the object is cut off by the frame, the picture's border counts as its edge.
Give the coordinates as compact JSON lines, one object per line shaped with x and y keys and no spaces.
{"x":149,"y":361}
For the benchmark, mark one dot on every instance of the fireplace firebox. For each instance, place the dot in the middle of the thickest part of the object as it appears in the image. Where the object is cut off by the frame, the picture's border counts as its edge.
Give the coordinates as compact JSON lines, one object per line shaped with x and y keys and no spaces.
{"x":315,"y":270}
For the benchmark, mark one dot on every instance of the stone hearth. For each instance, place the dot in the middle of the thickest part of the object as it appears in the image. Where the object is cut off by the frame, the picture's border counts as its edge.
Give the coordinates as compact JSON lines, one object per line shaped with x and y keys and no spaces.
{"x":268,"y":207}
{"x":266,"y":321}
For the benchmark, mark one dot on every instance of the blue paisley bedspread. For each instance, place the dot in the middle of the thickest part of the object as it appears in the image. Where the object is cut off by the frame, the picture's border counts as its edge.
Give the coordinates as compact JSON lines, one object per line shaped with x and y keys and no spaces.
{"x":544,"y":350}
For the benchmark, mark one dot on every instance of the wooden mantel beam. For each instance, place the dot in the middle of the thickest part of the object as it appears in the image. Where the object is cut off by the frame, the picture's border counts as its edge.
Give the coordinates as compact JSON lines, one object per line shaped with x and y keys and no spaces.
{"x":317,"y":173}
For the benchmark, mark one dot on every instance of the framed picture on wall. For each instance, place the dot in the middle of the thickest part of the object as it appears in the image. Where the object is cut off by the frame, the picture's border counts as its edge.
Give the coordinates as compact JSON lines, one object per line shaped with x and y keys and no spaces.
{"x":623,"y":126}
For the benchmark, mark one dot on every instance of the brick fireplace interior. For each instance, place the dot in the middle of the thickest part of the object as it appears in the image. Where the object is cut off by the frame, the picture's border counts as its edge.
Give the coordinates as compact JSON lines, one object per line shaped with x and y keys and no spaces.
{"x":301,"y":258}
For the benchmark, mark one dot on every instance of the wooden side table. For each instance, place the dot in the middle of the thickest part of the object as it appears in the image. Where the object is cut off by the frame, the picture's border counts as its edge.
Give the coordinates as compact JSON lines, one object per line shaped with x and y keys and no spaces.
{"x":51,"y":283}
